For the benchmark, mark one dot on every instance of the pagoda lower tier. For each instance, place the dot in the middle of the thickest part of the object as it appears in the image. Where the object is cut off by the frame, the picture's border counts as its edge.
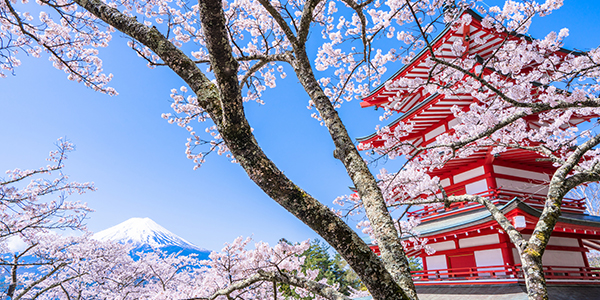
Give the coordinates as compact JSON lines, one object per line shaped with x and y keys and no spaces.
{"x":472,"y":249}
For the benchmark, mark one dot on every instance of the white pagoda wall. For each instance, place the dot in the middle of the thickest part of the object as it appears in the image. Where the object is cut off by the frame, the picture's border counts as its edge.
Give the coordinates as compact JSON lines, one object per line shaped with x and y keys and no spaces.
{"x":483,"y":257}
{"x":560,"y":258}
{"x":487,"y":258}
{"x":521,"y":186}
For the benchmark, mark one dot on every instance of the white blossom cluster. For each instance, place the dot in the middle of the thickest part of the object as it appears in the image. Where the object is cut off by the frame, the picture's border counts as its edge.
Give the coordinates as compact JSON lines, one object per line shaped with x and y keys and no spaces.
{"x":69,"y":35}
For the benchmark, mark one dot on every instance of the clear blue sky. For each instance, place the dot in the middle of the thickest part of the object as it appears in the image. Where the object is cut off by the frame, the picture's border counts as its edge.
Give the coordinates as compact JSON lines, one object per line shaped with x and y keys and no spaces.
{"x":137,"y":159}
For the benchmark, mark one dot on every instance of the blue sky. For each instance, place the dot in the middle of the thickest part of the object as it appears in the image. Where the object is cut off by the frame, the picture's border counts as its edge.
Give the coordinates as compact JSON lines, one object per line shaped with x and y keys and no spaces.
{"x":137,"y":161}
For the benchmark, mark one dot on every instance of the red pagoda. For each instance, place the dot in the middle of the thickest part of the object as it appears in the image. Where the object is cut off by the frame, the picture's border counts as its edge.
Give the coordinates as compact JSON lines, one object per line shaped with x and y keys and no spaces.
{"x":471,"y":250}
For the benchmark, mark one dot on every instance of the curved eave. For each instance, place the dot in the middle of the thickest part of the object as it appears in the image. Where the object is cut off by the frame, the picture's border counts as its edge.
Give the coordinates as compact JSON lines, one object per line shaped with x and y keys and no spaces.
{"x":371,"y":98}
{"x":375,"y":137}
{"x":479,"y":218}
{"x":368,"y":101}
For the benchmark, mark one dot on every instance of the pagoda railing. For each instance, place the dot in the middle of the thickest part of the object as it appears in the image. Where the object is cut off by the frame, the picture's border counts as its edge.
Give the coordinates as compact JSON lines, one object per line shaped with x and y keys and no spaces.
{"x":499,"y":196}
{"x":556,"y":273}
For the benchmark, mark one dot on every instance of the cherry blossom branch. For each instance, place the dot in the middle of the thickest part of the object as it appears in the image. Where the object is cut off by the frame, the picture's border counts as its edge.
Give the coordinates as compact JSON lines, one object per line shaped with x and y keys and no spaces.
{"x":39,"y":280}
{"x":281,"y":22}
{"x":423,"y":34}
{"x":50,"y":49}
{"x":280,"y":277}
{"x":306,"y":19}
{"x":263,"y":60}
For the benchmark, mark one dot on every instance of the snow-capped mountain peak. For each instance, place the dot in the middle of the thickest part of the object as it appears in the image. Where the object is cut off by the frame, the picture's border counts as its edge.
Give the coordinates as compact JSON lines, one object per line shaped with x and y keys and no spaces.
{"x":143,"y":231}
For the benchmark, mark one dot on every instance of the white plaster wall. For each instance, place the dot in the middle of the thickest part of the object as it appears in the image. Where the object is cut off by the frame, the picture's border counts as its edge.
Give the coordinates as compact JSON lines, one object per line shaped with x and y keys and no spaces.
{"x":468,"y":174}
{"x":563,"y":258}
{"x":447,"y":245}
{"x":521,"y":187}
{"x":521,"y":173}
{"x":476,"y":187}
{"x":479,"y":240}
{"x":491,"y":257}
{"x":436,"y":262}
{"x":557,"y":258}
{"x":563,"y":241}
{"x":488,"y":258}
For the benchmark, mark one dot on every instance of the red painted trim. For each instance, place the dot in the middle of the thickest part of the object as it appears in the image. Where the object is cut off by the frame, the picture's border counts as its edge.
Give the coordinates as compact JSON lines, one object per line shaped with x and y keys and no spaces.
{"x":507,"y":255}
{"x":470,"y":282}
{"x":460,"y":251}
{"x":584,"y":254}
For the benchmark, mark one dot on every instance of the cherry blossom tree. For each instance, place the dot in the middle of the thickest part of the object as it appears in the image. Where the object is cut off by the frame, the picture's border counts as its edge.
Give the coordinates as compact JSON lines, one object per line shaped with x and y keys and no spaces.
{"x":247,"y":43}
{"x":72,"y":41}
{"x":58,"y":267}
{"x":39,"y":263}
{"x":24,"y":212}
{"x":27,"y":218}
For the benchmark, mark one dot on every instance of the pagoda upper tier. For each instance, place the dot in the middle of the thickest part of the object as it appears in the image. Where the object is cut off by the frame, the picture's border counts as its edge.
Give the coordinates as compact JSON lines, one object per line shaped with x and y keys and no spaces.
{"x":514,"y":171}
{"x":479,"y":42}
{"x":431,"y":114}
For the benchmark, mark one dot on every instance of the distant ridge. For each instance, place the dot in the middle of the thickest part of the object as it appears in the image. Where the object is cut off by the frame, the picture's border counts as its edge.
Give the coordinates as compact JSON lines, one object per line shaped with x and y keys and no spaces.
{"x":145,"y":234}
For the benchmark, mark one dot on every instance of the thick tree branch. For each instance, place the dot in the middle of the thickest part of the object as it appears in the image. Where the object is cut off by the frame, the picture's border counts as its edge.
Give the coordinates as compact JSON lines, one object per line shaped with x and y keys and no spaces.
{"x":306,"y":20}
{"x":383,"y":226}
{"x":559,"y":186}
{"x":206,"y":91}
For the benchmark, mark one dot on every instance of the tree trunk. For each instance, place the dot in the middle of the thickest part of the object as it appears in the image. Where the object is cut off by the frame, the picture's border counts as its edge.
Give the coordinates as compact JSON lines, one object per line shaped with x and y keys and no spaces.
{"x":533,"y":272}
{"x":392,"y":252}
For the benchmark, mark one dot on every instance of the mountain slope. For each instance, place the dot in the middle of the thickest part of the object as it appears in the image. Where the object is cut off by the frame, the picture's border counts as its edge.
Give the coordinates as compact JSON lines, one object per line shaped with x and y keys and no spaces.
{"x":145,"y":234}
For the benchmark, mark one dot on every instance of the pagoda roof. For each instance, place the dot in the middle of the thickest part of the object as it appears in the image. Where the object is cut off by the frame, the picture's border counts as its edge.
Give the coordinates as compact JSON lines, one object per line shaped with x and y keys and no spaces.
{"x":430,"y":114}
{"x":383,"y":95}
{"x":389,"y":96}
{"x":478,"y":218}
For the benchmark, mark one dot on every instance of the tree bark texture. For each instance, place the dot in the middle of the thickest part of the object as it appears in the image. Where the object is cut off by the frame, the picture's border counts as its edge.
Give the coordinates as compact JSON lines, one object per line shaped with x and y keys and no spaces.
{"x":225,"y":106}
{"x":388,"y":240}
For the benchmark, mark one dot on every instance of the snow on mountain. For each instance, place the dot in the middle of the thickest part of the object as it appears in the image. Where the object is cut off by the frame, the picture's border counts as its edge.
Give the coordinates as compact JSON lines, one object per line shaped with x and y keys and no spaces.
{"x":144,"y":233}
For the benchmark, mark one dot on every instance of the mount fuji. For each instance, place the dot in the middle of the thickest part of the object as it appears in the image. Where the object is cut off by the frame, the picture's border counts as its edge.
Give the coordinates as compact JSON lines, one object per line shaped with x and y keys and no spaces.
{"x":145,"y":234}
